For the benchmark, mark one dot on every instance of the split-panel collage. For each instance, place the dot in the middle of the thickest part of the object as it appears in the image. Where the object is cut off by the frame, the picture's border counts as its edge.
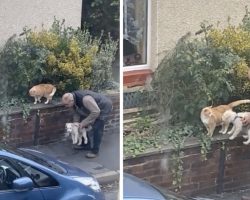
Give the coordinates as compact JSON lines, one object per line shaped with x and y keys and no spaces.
{"x":125,"y":100}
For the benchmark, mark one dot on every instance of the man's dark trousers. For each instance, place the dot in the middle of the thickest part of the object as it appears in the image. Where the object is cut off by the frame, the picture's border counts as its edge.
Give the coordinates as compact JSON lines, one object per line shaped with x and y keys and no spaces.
{"x":97,"y":128}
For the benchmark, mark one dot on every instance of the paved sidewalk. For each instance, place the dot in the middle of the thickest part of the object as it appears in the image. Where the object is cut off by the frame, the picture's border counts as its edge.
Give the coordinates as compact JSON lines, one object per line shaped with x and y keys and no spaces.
{"x":239,"y":195}
{"x":105,"y":167}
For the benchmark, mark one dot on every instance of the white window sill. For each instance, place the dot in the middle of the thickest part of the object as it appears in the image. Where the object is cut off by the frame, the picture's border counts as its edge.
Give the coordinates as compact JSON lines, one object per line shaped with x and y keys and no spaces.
{"x":135,"y":67}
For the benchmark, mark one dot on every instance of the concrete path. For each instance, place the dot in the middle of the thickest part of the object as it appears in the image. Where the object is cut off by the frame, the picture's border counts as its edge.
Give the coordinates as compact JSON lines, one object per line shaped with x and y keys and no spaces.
{"x":105,"y":167}
{"x":239,"y":195}
{"x":111,"y":191}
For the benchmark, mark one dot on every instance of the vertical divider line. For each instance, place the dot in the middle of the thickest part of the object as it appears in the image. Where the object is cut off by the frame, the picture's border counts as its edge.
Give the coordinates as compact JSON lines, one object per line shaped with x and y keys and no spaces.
{"x":120,"y":193}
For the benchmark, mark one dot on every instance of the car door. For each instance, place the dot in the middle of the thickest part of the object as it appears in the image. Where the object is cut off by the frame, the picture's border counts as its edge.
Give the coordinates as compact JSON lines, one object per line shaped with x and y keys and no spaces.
{"x":8,"y":173}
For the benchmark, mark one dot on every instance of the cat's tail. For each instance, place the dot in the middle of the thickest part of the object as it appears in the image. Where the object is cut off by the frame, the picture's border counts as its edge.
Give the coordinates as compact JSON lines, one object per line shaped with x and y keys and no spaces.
{"x":236,"y":103}
{"x":53,"y":92}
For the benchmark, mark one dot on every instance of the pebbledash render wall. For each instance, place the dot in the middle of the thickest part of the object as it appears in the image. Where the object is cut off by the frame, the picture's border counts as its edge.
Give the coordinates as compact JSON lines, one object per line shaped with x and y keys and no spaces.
{"x":226,"y":168}
{"x":171,"y":19}
{"x":46,"y":123}
{"x":16,"y":14}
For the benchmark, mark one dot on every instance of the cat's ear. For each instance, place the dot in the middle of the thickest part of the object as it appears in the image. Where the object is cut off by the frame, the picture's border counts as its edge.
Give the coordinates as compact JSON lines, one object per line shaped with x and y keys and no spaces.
{"x":207,"y":111}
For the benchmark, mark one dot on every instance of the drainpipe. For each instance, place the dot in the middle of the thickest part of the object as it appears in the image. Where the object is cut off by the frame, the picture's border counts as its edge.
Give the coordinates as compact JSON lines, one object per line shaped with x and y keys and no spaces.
{"x":37,"y":128}
{"x":84,"y":13}
{"x":220,"y":182}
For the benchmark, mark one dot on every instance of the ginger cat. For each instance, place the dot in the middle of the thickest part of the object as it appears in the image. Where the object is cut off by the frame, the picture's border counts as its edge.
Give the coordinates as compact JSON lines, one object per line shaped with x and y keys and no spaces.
{"x":42,"y":90}
{"x":212,"y":116}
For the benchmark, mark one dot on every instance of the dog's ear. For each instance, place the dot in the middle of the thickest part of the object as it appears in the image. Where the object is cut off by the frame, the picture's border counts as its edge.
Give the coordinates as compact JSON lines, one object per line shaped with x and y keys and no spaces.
{"x":67,"y":124}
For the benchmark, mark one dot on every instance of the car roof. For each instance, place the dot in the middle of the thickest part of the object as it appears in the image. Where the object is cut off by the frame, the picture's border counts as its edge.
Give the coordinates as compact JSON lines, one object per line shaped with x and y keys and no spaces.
{"x":134,"y":188}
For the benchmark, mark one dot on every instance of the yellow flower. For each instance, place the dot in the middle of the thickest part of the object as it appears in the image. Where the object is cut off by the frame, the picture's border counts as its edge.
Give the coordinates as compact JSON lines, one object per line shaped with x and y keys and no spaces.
{"x":241,"y":69}
{"x":74,"y":47}
{"x":44,"y":39}
{"x":231,"y":37}
{"x":51,"y":59}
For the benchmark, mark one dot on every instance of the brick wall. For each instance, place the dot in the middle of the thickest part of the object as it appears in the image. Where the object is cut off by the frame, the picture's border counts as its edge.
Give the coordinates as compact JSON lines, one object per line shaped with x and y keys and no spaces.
{"x":224,"y":170}
{"x":46,"y":123}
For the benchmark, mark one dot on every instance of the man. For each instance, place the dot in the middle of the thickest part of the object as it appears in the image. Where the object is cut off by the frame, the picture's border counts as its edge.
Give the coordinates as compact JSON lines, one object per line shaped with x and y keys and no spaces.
{"x":91,"y":108}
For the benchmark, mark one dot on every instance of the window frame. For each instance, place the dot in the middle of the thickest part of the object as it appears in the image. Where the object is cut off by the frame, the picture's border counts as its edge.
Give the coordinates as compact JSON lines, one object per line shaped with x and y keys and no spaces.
{"x":147,"y":65}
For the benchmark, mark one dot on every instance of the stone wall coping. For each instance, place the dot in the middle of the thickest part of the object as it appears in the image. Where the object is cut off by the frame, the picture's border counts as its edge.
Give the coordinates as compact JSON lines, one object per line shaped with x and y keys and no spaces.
{"x":189,"y":143}
{"x":39,"y":106}
{"x":54,"y":104}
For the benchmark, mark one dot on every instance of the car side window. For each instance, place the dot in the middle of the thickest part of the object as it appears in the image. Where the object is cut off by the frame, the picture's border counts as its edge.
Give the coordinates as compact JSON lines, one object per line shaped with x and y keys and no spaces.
{"x":8,"y":174}
{"x":40,"y":178}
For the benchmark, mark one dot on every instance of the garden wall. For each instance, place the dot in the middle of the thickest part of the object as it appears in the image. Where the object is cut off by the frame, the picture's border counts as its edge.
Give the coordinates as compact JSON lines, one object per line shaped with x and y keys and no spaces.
{"x":46,"y":123}
{"x":226,"y":169}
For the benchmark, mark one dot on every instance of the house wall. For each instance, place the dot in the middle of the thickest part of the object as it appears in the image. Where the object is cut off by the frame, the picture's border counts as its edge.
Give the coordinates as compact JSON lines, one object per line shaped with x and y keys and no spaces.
{"x":177,"y":17}
{"x":154,"y":26}
{"x":16,"y":14}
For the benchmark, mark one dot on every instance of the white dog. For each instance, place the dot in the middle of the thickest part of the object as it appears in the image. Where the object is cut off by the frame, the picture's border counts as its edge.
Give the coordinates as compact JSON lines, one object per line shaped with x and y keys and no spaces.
{"x":76,"y":134}
{"x":235,"y":118}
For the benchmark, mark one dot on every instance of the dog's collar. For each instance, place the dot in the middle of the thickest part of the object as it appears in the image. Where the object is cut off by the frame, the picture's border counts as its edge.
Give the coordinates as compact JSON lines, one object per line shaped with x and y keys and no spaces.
{"x":77,"y":125}
{"x":236,"y":116}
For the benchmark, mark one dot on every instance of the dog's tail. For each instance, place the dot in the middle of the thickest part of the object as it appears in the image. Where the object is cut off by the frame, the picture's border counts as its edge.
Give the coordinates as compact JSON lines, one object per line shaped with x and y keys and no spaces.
{"x":236,"y":103}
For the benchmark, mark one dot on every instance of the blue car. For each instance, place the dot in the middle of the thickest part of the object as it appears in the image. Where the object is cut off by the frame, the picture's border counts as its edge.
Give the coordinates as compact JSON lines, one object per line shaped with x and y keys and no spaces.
{"x":137,"y":189}
{"x":26,"y":174}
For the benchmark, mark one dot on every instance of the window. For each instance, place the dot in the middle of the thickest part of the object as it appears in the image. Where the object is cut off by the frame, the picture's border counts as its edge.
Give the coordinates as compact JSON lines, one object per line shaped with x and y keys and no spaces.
{"x":7,"y":174}
{"x":135,"y":32}
{"x":39,"y":178}
{"x":9,"y":171}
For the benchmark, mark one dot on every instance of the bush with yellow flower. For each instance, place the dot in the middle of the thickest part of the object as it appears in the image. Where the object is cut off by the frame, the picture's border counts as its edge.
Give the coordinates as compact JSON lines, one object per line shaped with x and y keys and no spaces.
{"x":210,"y":69}
{"x":66,"y":57}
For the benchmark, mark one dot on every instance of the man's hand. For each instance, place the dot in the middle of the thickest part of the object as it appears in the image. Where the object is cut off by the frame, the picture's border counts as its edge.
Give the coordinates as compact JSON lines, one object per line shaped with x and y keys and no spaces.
{"x":81,"y":126}
{"x":246,"y":120}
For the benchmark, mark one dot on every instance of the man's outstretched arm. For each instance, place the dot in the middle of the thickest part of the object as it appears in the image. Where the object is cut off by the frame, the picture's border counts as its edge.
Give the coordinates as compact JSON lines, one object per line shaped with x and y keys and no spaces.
{"x":90,"y":104}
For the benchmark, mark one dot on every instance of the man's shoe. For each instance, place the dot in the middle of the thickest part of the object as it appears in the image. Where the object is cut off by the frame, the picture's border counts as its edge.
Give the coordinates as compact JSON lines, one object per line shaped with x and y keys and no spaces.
{"x":91,"y":155}
{"x":81,"y":147}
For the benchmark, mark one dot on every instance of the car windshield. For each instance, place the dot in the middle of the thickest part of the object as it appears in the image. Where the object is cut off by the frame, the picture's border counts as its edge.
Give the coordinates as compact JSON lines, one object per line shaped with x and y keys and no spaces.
{"x":47,"y":163}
